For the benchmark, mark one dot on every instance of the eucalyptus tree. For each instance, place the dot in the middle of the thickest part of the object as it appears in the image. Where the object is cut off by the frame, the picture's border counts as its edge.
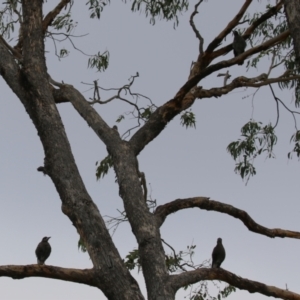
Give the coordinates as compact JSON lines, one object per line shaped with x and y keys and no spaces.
{"x":23,"y":67}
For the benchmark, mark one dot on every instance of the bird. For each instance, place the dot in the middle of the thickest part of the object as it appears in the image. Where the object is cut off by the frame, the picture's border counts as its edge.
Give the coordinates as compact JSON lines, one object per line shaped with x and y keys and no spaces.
{"x":218,"y":254}
{"x":43,"y":250}
{"x":239,"y":44}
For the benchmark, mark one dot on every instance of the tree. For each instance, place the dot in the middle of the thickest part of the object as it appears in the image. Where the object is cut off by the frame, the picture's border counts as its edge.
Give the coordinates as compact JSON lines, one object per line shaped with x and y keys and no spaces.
{"x":24,"y":69}
{"x":292,"y":9}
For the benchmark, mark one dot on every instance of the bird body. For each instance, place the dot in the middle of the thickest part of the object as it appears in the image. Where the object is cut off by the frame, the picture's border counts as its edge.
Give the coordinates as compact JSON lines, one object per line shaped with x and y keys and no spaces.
{"x":218,"y":254}
{"x":43,"y":251}
{"x":238,"y":45}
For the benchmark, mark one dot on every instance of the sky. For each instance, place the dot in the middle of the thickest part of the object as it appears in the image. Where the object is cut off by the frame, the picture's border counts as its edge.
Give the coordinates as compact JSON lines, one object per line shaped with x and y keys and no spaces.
{"x":179,"y":163}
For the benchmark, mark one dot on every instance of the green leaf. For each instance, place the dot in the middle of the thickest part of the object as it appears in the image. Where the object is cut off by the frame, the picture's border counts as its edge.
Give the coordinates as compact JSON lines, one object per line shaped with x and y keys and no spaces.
{"x":104,"y":167}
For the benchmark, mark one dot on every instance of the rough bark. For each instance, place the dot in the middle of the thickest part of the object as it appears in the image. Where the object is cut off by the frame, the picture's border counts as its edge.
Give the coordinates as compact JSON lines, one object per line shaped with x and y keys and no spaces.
{"x":24,"y":69}
{"x":292,"y":11}
{"x":36,"y":93}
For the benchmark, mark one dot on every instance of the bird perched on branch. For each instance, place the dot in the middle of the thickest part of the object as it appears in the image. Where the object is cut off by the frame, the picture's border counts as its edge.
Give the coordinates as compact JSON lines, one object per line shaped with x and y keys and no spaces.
{"x":43,"y":250}
{"x":218,"y":254}
{"x":238,"y":45}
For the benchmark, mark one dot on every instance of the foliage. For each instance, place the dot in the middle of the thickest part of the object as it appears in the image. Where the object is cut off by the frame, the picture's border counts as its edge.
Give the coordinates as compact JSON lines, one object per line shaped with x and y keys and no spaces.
{"x":296,"y":139}
{"x":188,"y":119}
{"x":167,"y":9}
{"x":64,"y":21}
{"x":103,"y":167}
{"x":99,"y":61}
{"x":81,"y":245}
{"x":96,"y":7}
{"x":258,"y":139}
{"x":132,"y":260}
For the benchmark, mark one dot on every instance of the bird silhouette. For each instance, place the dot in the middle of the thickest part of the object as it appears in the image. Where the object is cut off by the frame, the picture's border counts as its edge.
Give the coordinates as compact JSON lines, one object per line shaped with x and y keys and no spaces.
{"x":218,"y":254}
{"x":43,"y":251}
{"x":238,"y":45}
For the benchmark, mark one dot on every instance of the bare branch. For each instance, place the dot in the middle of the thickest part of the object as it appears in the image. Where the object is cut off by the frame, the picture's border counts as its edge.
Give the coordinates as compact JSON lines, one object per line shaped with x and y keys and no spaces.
{"x":74,"y":275}
{"x":241,"y":81}
{"x":198,"y":35}
{"x":163,"y":211}
{"x":190,"y":277}
{"x":69,"y":94}
{"x":216,"y":42}
{"x":270,"y":13}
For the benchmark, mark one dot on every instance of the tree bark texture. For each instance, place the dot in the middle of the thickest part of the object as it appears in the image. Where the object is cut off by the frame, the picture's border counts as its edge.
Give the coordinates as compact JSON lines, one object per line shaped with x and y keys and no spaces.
{"x":292,"y":11}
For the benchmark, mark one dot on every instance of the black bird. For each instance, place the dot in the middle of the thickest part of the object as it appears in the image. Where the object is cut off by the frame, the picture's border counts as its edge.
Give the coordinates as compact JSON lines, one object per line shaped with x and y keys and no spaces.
{"x":238,"y":45}
{"x":218,"y":254}
{"x":43,"y":250}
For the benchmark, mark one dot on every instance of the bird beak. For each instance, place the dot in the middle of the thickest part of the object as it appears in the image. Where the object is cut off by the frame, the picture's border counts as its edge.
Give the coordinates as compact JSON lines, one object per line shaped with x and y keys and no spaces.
{"x":48,"y":238}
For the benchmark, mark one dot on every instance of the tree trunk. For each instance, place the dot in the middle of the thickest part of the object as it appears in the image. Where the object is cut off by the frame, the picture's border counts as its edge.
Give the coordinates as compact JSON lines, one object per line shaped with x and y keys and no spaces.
{"x":292,"y":11}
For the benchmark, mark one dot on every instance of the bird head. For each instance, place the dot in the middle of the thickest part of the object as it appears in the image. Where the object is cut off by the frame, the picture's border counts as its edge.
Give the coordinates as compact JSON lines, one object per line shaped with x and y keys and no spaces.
{"x":219,"y":241}
{"x":235,"y":33}
{"x":45,"y":239}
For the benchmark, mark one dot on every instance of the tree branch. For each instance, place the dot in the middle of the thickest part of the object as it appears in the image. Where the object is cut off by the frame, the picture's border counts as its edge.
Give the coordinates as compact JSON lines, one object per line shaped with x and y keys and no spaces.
{"x":163,"y":211}
{"x":190,"y":277}
{"x":185,"y":97}
{"x":73,"y":275}
{"x":53,"y":13}
{"x":196,"y":31}
{"x":270,"y":13}
{"x":69,"y":94}
{"x":242,"y":81}
{"x":216,"y":42}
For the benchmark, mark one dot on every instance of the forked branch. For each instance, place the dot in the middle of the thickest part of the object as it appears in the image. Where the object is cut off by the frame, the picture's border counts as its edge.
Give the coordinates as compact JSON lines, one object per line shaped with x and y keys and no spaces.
{"x":163,"y":211}
{"x":216,"y":42}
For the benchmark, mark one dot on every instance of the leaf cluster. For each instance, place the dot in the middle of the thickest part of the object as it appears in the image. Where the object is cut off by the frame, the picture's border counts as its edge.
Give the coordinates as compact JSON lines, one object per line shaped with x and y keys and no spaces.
{"x":104,"y":167}
{"x":161,"y":9}
{"x":257,"y":139}
{"x":96,"y":7}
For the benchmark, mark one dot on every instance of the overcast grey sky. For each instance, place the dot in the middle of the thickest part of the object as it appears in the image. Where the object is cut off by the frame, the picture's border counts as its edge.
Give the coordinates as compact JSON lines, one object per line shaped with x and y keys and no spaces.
{"x":179,"y":163}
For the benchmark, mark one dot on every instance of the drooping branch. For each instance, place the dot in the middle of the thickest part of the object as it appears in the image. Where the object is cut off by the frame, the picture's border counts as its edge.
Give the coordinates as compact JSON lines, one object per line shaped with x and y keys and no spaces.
{"x":86,"y":276}
{"x":163,"y":211}
{"x":190,"y":277}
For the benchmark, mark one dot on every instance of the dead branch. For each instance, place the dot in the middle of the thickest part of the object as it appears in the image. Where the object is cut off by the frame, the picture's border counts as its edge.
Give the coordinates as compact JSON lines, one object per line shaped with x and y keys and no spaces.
{"x":198,"y":35}
{"x":163,"y":211}
{"x":270,"y":13}
{"x":85,"y":276}
{"x":190,"y":277}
